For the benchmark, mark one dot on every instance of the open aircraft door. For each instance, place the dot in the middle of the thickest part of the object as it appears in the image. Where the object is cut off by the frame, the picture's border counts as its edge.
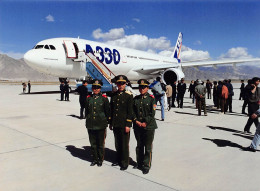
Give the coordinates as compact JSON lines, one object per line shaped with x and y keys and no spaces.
{"x":70,"y":49}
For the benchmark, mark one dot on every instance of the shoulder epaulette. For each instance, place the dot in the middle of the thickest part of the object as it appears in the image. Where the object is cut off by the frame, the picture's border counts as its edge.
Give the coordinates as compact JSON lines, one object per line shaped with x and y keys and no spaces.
{"x":152,"y":96}
{"x":128,"y":92}
{"x":88,"y":96}
{"x":104,"y":95}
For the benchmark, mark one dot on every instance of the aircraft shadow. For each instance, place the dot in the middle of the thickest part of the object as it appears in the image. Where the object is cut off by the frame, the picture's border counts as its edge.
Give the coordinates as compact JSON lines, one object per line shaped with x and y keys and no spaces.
{"x":84,"y":153}
{"x":224,"y":143}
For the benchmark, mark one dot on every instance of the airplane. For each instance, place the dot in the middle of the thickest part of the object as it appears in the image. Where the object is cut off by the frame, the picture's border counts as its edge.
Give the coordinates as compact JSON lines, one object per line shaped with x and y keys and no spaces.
{"x":76,"y":58}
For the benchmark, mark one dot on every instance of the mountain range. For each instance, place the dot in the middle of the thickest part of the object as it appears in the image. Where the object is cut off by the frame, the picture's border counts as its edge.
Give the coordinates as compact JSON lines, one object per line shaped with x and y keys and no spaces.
{"x":18,"y":70}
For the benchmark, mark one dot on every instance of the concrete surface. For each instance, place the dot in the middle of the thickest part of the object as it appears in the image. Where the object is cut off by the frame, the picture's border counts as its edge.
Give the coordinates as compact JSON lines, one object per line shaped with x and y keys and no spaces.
{"x":44,"y":146}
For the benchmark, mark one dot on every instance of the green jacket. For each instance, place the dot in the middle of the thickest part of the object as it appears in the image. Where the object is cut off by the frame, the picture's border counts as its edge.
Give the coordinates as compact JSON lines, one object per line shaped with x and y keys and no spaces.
{"x":144,"y":110}
{"x":97,"y":112}
{"x":121,"y":109}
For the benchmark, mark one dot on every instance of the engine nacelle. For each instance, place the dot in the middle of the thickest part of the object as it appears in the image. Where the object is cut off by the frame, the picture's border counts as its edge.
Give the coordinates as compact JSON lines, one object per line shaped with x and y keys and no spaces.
{"x":171,"y":75}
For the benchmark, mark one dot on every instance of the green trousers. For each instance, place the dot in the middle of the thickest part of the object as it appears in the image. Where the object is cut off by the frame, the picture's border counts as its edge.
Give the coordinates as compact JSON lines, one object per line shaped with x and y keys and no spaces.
{"x":201,"y":105}
{"x":144,"y":147}
{"x":97,"y":142}
{"x":122,"y":146}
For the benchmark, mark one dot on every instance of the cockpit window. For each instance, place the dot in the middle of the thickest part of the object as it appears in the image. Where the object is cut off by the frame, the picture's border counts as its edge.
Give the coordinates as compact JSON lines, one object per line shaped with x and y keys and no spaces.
{"x":52,"y":47}
{"x":38,"y":46}
{"x":46,"y":47}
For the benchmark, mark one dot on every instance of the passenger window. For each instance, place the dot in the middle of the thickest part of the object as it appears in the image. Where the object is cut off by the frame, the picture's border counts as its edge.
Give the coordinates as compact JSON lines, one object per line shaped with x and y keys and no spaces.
{"x":52,"y":47}
{"x":46,"y":47}
{"x":38,"y":46}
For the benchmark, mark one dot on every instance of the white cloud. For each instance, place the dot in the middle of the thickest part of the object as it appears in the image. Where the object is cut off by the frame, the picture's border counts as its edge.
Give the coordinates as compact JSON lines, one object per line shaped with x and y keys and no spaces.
{"x":137,"y":41}
{"x":238,"y":52}
{"x":136,"y":20}
{"x":198,"y":42}
{"x":113,"y":34}
{"x":49,"y":18}
{"x":15,"y":55}
{"x":160,"y":45}
{"x":189,"y":54}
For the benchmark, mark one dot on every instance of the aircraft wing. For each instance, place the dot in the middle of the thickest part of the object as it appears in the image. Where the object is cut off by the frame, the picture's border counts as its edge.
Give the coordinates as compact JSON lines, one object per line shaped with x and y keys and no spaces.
{"x":219,"y":62}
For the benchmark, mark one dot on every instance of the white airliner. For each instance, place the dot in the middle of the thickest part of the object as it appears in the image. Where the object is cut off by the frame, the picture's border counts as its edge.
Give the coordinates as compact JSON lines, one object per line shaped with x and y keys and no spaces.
{"x":69,"y":58}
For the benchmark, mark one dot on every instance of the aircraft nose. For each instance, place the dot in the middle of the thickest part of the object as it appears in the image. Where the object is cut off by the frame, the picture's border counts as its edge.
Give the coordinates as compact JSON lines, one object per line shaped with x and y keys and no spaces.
{"x":30,"y":58}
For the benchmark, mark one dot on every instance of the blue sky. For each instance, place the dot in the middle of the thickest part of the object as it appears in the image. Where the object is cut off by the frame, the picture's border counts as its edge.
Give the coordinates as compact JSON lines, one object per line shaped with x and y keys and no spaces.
{"x":212,"y":29}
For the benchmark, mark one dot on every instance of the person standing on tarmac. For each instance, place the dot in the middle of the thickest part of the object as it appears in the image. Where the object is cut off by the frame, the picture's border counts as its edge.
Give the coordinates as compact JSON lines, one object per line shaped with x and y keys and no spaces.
{"x":181,"y":88}
{"x":173,"y":93}
{"x":97,"y":118}
{"x":144,"y":126}
{"x":61,"y":90}
{"x":121,"y":120}
{"x":253,"y":104}
{"x":169,"y":96}
{"x":159,"y":94}
{"x":83,"y":93}
{"x":29,"y":87}
{"x":200,"y":92}
{"x":67,"y":91}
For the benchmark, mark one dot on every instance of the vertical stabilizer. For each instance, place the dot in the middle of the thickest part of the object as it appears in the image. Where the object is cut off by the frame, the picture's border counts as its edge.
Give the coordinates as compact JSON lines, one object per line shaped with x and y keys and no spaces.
{"x":177,"y":49}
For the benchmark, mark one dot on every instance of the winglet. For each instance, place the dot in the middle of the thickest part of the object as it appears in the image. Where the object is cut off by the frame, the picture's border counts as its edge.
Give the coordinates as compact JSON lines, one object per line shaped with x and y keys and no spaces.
{"x":177,"y":49}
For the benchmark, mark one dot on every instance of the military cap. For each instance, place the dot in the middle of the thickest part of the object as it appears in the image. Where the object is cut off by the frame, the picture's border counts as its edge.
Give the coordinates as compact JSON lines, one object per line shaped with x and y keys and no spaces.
{"x":120,"y":78}
{"x":143,"y":82}
{"x":97,"y":83}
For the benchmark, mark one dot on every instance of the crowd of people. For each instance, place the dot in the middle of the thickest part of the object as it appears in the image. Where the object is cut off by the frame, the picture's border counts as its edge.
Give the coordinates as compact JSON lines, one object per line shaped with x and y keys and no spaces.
{"x":124,"y":111}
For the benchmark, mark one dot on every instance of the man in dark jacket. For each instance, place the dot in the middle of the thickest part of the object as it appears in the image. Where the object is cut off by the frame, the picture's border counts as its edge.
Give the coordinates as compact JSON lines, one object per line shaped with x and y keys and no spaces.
{"x":181,"y":88}
{"x":253,"y":104}
{"x":173,"y":93}
{"x":62,"y":91}
{"x":209,"y":86}
{"x":83,"y":93}
{"x":121,"y":120}
{"x":242,"y":90}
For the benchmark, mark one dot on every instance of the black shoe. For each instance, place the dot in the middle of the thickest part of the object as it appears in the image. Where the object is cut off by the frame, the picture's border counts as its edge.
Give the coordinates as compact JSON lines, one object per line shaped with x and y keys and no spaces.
{"x":145,"y":171}
{"x":173,"y":106}
{"x":93,"y":163}
{"x":123,"y":168}
{"x":247,"y":132}
{"x":115,"y":164}
{"x":99,"y":163}
{"x":138,"y":167}
{"x":162,"y":120}
{"x":249,"y":149}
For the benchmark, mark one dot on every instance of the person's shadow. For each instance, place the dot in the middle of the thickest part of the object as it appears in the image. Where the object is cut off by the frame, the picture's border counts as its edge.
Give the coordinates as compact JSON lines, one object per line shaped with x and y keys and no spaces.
{"x":224,"y":143}
{"x":84,"y":153}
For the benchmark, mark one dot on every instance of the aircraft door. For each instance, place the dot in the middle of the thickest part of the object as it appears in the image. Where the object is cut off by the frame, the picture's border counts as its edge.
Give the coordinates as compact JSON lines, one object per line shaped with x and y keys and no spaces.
{"x":70,"y":49}
{"x":123,"y":56}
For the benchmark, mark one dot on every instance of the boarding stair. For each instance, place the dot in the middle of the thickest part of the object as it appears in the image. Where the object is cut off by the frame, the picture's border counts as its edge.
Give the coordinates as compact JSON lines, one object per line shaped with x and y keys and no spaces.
{"x":96,"y":70}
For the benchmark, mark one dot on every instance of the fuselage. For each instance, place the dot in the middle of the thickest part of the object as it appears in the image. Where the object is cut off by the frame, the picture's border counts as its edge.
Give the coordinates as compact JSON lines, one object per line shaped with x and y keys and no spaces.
{"x":53,"y":56}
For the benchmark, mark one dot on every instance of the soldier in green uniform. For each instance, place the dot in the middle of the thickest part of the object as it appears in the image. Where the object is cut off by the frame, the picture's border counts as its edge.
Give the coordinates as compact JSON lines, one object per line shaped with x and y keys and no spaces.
{"x":144,"y":126}
{"x":121,"y":120}
{"x":97,"y":117}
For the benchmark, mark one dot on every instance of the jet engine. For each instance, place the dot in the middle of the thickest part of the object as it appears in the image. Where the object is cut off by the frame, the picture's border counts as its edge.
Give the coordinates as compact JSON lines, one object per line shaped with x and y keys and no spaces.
{"x":171,"y":75}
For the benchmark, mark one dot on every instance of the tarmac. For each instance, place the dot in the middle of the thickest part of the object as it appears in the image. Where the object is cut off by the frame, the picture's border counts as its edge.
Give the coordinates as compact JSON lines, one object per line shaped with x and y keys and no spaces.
{"x":44,"y":146}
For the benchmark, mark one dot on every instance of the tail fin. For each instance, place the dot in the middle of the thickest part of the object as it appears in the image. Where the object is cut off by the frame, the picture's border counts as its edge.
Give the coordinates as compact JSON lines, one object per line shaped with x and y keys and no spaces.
{"x":177,"y":49}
